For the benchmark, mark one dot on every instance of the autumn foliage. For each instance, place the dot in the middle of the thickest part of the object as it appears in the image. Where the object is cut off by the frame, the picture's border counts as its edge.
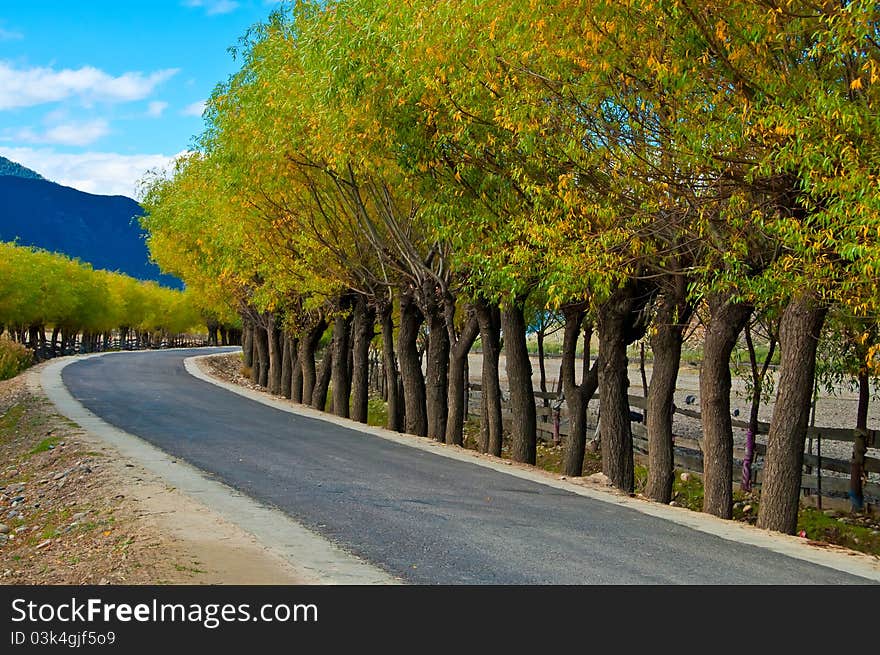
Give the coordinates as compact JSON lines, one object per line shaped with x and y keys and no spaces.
{"x":56,"y":304}
{"x":442,"y":171}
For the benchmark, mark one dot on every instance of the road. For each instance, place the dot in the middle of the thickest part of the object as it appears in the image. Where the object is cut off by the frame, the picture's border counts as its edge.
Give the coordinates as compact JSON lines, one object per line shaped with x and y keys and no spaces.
{"x":420,"y":516}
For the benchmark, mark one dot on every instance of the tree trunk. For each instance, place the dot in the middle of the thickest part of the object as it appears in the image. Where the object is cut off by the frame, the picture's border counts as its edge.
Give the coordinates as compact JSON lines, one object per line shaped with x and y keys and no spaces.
{"x":401,"y":405}
{"x":362,"y":335}
{"x":615,"y":321}
{"x":542,"y":369}
{"x":726,"y":321}
{"x":261,"y":337}
{"x":491,"y":428}
{"x":296,"y":381}
{"x":673,"y":314}
{"x":798,"y":338}
{"x":389,"y":364}
{"x":255,"y":354}
{"x":341,"y":376}
{"x":247,"y":348}
{"x":213,"y":328}
{"x":286,"y":366}
{"x":857,"y":463}
{"x":577,"y":396}
{"x":416,"y":420}
{"x":437,"y":375}
{"x":308,"y":344}
{"x":523,"y":440}
{"x":276,"y":364}
{"x":322,"y":381}
{"x":349,"y":365}
{"x":457,"y":402}
{"x":33,"y":340}
{"x":758,"y":377}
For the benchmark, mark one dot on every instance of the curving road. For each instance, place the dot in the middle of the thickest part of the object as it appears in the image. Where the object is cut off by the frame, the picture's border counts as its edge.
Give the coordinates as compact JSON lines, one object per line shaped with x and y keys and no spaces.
{"x":420,"y":516}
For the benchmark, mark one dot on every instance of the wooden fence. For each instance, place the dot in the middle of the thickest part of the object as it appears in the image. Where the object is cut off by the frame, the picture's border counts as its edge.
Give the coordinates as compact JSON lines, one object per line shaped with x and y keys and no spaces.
{"x":553,"y":425}
{"x":78,"y":346}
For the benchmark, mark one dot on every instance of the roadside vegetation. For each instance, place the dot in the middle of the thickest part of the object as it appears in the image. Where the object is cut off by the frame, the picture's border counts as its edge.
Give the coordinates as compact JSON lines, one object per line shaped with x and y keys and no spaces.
{"x":51,"y":304}
{"x":657,"y":173}
{"x":14,"y":358}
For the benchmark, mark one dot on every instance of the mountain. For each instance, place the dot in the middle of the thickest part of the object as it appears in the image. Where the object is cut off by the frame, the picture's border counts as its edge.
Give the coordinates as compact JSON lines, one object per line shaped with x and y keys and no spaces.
{"x":101,"y":230}
{"x":9,"y":167}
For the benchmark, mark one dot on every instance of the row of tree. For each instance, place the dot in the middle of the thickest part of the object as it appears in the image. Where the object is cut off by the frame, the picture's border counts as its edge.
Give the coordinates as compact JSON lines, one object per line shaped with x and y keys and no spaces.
{"x":42,"y":292}
{"x":456,"y":168}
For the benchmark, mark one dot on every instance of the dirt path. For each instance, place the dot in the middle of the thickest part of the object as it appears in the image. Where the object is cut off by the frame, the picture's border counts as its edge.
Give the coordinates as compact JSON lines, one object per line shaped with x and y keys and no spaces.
{"x":73,"y":511}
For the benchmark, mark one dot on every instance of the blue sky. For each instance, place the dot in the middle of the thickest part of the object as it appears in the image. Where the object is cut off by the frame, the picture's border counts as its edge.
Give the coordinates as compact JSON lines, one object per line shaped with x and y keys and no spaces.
{"x":96,"y":92}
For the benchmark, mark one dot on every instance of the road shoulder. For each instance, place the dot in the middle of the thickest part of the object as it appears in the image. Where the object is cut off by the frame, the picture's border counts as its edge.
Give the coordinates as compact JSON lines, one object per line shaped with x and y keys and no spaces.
{"x":75,"y":512}
{"x":246,"y":542}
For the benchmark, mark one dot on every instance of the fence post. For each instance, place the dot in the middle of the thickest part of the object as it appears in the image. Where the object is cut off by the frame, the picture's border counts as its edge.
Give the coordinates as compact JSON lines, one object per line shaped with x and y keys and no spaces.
{"x":819,"y":470}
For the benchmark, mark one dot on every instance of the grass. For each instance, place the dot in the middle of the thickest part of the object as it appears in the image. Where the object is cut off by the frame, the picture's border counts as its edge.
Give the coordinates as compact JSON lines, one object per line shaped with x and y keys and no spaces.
{"x":377,"y":412}
{"x":9,"y":422}
{"x":50,"y":530}
{"x":549,"y":456}
{"x":46,"y":444}
{"x":687,"y":488}
{"x":14,"y":358}
{"x":17,"y":419}
{"x":846,"y":530}
{"x":816,"y":525}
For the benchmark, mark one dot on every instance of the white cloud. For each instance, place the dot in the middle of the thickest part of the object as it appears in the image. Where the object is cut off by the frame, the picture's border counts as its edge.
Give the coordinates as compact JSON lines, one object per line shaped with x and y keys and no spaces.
{"x":106,"y":173}
{"x":155,"y":109}
{"x":7,"y":35}
{"x":56,"y":116}
{"x":67,"y":134}
{"x":213,"y":7}
{"x":34,"y":86}
{"x":195,"y":109}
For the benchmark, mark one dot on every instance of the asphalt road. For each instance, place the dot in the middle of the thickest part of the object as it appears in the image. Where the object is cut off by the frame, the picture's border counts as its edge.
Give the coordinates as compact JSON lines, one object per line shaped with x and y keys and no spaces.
{"x":420,"y":516}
